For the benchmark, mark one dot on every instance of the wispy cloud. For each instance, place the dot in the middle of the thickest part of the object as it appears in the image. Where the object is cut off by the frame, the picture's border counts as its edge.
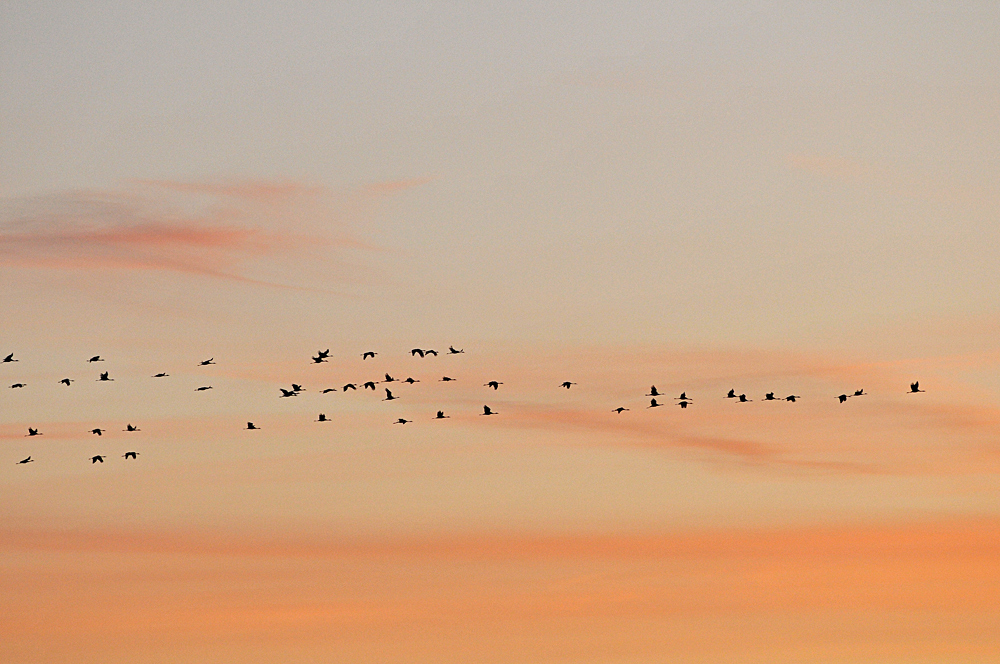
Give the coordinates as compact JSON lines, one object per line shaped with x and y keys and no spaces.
{"x":199,"y":228}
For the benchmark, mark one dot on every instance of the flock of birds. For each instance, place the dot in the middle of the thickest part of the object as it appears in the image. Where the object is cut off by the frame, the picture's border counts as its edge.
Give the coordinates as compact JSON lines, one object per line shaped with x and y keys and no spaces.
{"x":683,"y":400}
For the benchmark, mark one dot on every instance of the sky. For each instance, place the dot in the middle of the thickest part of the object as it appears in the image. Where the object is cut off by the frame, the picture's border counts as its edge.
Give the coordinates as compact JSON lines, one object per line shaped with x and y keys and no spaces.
{"x":798,"y":198}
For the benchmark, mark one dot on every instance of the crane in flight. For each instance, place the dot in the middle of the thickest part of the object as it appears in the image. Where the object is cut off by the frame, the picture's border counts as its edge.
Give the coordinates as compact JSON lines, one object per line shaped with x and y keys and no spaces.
{"x":287,"y":393}
{"x":860,"y":393}
{"x":322,"y":418}
{"x":17,"y":386}
{"x":97,"y":458}
{"x":619,"y":410}
{"x":96,"y":358}
{"x":131,"y":428}
{"x":205,"y":363}
{"x":683,"y":397}
{"x":441,"y":416}
{"x":431,"y":351}
{"x":104,"y":378}
{"x":654,"y":404}
{"x":66,"y":381}
{"x":328,"y":390}
{"x":10,"y":358}
{"x":411,"y":381}
{"x":98,"y":432}
{"x":417,"y":351}
{"x":653,"y":392}
{"x":731,"y":394}
{"x":350,"y":386}
{"x":161,"y":375}
{"x":388,"y":395}
{"x":370,"y":385}
{"x":743,"y":398}
{"x":792,"y":397}
{"x":33,"y":432}
{"x":769,"y":396}
{"x":402,"y":421}
{"x":567,"y":384}
{"x":915,"y":387}
{"x":842,"y":398}
{"x":202,"y":389}
{"x":455,"y":351}
{"x":319,"y":359}
{"x":495,"y":384}
{"x":367,"y":354}
{"x":389,"y":379}
{"x":27,"y":460}
{"x":252,"y":427}
{"x":131,"y":455}
{"x":683,"y":404}
{"x":445,"y":379}
{"x":488,"y":411}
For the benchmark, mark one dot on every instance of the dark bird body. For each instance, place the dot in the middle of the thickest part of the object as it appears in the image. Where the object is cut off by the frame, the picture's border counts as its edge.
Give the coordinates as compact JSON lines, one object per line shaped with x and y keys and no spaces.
{"x":366,"y":355}
{"x":619,"y":410}
{"x":161,"y":375}
{"x":33,"y":432}
{"x":96,"y":358}
{"x":567,"y":384}
{"x":731,"y":394}
{"x":653,"y":392}
{"x":350,"y":386}
{"x":453,"y":351}
{"x":97,"y":458}
{"x":915,"y":387}
{"x":322,"y":418}
{"x":388,"y":395}
{"x":98,"y":431}
{"x":370,"y":385}
{"x":653,"y":404}
{"x":17,"y":386}
{"x":27,"y":460}
{"x":131,"y":455}
{"x":488,"y":411}
{"x":202,"y":389}
{"x":10,"y":358}
{"x":328,"y":390}
{"x":843,"y":398}
{"x":66,"y":381}
{"x":743,"y":398}
{"x":495,"y":384}
{"x":252,"y":427}
{"x":441,"y":416}
{"x":445,"y":379}
{"x":205,"y":363}
{"x":104,"y":378}
{"x":129,"y":427}
{"x":402,"y":421}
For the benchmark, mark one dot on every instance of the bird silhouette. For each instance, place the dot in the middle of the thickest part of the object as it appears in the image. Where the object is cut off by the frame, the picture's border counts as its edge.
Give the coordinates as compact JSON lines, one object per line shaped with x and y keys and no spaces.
{"x":411,"y":381}
{"x":66,"y":381}
{"x":131,"y":455}
{"x":104,"y":378}
{"x":619,"y":410}
{"x":323,"y":353}
{"x":402,"y":421}
{"x":453,"y":351}
{"x":96,"y":358}
{"x":350,"y":386}
{"x":653,"y":392}
{"x":653,"y":404}
{"x":297,"y":388}
{"x":161,"y":375}
{"x":97,"y":458}
{"x":205,"y":363}
{"x":322,"y":418}
{"x":441,"y":416}
{"x":683,"y":397}
{"x":252,"y":427}
{"x":494,"y":384}
{"x":131,"y":428}
{"x":860,"y":393}
{"x":389,"y":379}
{"x":417,"y":351}
{"x":843,"y":398}
{"x":328,"y":390}
{"x":792,"y":398}
{"x":431,"y":351}
{"x":683,"y":404}
{"x":488,"y":411}
{"x":567,"y":384}
{"x":769,"y":396}
{"x":388,"y":395}
{"x":287,"y":393}
{"x":98,"y":431}
{"x":33,"y":432}
{"x":370,"y":385}
{"x":731,"y":394}
{"x":29,"y":459}
{"x":445,"y":379}
{"x":17,"y":386}
{"x":318,"y":359}
{"x":915,"y":387}
{"x":743,"y":398}
{"x":10,"y":358}
{"x":366,"y":355}
{"x":202,"y":389}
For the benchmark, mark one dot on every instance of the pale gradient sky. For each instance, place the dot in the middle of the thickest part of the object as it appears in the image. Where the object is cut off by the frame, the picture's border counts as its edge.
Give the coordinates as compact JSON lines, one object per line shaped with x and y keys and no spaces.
{"x":797,"y":197}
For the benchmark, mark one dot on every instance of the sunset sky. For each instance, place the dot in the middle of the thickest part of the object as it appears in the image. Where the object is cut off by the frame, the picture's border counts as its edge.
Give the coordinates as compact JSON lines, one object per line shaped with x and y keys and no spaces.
{"x":799,"y":198}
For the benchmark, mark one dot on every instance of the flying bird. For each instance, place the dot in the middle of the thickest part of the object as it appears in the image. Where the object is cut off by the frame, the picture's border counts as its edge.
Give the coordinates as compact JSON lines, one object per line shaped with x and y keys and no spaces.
{"x":567,"y":384}
{"x":860,"y":393}
{"x":653,"y":392}
{"x":29,"y":459}
{"x":350,"y":386}
{"x":769,"y":396}
{"x":370,"y":385}
{"x":104,"y":378}
{"x":366,"y":355}
{"x":683,"y":404}
{"x":252,"y":427}
{"x":323,"y":353}
{"x":494,"y":384}
{"x":731,"y":394}
{"x":488,"y":411}
{"x":66,"y":381}
{"x":683,"y":397}
{"x":10,"y":358}
{"x":202,"y":389}
{"x":131,"y":455}
{"x":388,"y":395}
{"x":743,"y":398}
{"x":389,"y":379}
{"x":653,"y":404}
{"x":411,"y":381}
{"x":18,"y":386}
{"x":319,"y":359}
{"x":416,"y":351}
{"x":33,"y":432}
{"x":843,"y":398}
{"x":431,"y":351}
{"x":453,"y":351}
{"x":98,"y":431}
{"x":96,"y":358}
{"x":402,"y":421}
{"x":328,"y":390}
{"x":445,"y":379}
{"x":297,"y":388}
{"x":792,"y":398}
{"x":131,"y":428}
{"x":205,"y":363}
{"x":915,"y":387}
{"x":441,"y":416}
{"x":161,"y":375}
{"x":287,"y":393}
{"x":96,"y":458}
{"x":322,"y":418}
{"x":619,"y":410}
